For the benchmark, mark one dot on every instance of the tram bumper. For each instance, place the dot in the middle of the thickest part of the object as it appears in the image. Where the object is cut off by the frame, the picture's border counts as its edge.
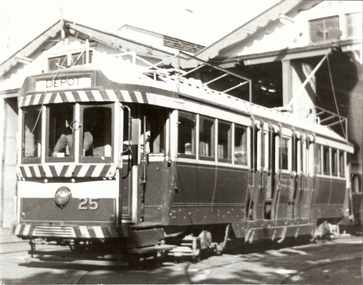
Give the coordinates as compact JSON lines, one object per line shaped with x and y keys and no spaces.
{"x":27,"y":231}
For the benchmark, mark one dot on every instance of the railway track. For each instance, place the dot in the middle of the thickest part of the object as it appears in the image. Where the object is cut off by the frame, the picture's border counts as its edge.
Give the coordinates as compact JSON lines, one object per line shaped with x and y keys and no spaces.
{"x":322,"y":263}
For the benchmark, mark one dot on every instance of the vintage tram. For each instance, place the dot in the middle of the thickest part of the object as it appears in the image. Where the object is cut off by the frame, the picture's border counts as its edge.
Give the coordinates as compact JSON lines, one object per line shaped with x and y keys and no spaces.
{"x":142,"y":164}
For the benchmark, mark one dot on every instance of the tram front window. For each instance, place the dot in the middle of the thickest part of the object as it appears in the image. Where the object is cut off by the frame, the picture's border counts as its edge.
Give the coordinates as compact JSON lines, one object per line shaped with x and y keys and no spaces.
{"x":60,"y":131}
{"x":96,"y":133}
{"x":32,"y":134}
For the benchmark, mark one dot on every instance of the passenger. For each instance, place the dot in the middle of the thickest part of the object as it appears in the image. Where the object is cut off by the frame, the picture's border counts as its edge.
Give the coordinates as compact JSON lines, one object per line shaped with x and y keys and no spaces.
{"x":188,"y":148}
{"x":64,"y":144}
{"x":145,"y":140}
{"x":87,"y":144}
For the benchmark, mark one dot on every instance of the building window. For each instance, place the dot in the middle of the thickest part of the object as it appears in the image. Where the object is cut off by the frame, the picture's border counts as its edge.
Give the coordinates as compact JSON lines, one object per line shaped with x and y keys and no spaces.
{"x":240,"y":145}
{"x":324,"y":30}
{"x":69,"y":60}
{"x":354,"y":25}
{"x":224,"y":141}
{"x":186,"y":134}
{"x":57,"y":62}
{"x":206,"y":137}
{"x":80,"y":58}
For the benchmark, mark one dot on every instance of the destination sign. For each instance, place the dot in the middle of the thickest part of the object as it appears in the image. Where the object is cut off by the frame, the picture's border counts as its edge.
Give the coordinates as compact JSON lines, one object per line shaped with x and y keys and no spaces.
{"x":63,"y":83}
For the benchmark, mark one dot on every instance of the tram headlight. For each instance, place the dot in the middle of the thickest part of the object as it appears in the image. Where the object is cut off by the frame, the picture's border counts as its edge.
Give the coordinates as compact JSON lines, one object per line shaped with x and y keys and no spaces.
{"x":62,"y":197}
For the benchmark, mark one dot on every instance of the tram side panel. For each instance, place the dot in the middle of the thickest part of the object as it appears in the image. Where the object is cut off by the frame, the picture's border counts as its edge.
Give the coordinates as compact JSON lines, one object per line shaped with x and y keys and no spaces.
{"x":328,"y":200}
{"x":206,"y":195}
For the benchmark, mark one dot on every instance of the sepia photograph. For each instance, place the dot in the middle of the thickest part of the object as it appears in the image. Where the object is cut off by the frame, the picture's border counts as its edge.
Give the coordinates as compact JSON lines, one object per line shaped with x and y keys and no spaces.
{"x":181,"y":142}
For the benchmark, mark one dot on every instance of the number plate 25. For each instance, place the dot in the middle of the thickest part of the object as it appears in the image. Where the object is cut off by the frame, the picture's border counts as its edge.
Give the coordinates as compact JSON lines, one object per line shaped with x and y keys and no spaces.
{"x":88,"y":204}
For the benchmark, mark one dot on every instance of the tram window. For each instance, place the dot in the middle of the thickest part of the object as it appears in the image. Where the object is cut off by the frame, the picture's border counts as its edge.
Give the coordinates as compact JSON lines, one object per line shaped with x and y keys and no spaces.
{"x":55,"y":63}
{"x":240,"y":145}
{"x":311,"y":158}
{"x":326,"y":160}
{"x":186,"y":134}
{"x":341,"y":164}
{"x":60,"y":136}
{"x":284,"y":152}
{"x":318,"y":164}
{"x":156,"y":124}
{"x":206,"y":137}
{"x":97,"y":123}
{"x":32,"y":134}
{"x":224,"y":141}
{"x":334,"y":162}
{"x":299,"y":160}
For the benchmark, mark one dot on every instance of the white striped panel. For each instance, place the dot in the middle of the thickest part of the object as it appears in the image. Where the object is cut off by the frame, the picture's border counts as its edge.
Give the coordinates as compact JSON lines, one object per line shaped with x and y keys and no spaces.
{"x":112,"y":95}
{"x":112,"y":171}
{"x":27,"y":171}
{"x":83,"y":171}
{"x":17,"y":229}
{"x":83,"y":96}
{"x":58,"y":168}
{"x":84,"y":231}
{"x":139,"y":97}
{"x":47,"y":170}
{"x":73,"y":233}
{"x":97,"y":95}
{"x":126,"y":95}
{"x":98,"y":232}
{"x":58,"y":98}
{"x":47,"y":98}
{"x":37,"y":98}
{"x":97,"y":170}
{"x":27,"y":100}
{"x":70,"y":96}
{"x":69,"y":171}
{"x":37,"y":171}
{"x":26,"y":230}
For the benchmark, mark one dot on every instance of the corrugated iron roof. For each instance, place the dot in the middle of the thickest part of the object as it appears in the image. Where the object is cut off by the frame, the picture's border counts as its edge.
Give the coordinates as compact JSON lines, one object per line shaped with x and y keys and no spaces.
{"x":49,"y":37}
{"x":54,"y":34}
{"x":255,"y":29}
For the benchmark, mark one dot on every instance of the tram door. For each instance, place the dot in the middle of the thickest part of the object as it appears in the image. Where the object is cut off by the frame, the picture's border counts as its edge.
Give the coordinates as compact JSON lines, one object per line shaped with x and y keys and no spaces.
{"x":303,"y":158}
{"x":284,"y":183}
{"x":155,"y":166}
{"x":262,"y":177}
{"x":146,"y":167}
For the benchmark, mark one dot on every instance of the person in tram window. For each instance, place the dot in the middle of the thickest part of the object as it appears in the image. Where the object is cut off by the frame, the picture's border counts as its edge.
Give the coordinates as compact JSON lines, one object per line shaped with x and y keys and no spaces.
{"x":63,"y":146}
{"x":145,"y":142}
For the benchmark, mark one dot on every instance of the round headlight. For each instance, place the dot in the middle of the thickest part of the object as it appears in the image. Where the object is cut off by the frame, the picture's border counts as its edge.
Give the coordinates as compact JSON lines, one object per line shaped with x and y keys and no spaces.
{"x":62,"y":196}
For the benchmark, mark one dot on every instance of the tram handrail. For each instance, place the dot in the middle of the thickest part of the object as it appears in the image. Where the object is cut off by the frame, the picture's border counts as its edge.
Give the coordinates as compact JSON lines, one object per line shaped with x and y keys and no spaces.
{"x":324,"y":116}
{"x":157,"y":72}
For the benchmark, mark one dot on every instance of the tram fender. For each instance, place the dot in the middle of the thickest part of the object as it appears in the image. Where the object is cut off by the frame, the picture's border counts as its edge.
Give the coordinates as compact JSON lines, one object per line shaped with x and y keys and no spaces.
{"x":145,"y":237}
{"x":278,"y":233}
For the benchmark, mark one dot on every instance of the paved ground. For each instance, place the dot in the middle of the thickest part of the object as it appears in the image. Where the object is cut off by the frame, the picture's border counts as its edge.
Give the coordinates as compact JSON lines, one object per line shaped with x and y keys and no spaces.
{"x":338,"y":261}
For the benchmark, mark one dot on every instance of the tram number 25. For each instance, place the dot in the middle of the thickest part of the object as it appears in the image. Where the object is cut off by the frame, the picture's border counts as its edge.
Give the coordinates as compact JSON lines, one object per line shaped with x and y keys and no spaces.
{"x":88,"y":204}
